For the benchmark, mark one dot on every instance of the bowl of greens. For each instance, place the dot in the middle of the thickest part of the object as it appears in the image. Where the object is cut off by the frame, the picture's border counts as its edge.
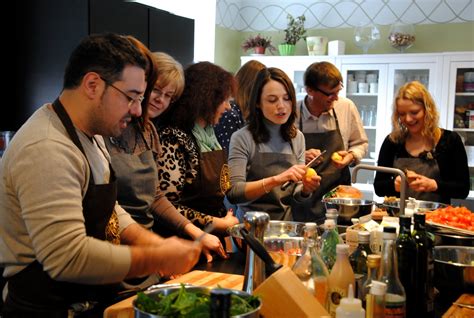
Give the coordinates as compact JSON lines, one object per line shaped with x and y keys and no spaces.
{"x":185,"y":300}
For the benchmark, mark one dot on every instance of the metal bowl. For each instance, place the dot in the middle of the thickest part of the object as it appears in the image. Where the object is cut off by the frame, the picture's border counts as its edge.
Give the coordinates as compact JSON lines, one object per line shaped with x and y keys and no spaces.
{"x":393,"y":208}
{"x":165,"y":289}
{"x":453,"y":270}
{"x":349,"y":208}
{"x":278,"y":233}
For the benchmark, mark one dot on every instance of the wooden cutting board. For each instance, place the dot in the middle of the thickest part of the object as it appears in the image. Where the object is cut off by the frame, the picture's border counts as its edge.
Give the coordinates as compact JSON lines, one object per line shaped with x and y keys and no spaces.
{"x":461,"y":312}
{"x":124,"y":309}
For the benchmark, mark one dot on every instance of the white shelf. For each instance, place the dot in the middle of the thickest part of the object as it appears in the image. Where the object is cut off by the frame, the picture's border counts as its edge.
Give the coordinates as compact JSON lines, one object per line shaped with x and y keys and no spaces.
{"x":364,"y":94}
{"x":465,"y":94}
{"x":464,"y":129}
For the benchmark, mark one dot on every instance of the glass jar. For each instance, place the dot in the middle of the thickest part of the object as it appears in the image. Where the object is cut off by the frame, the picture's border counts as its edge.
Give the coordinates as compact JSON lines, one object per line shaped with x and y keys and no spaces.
{"x":366,"y":36}
{"x":401,"y":36}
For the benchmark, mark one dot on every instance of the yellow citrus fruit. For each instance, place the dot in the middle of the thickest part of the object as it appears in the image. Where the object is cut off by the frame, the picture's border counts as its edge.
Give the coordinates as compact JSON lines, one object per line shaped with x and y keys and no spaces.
{"x":310,"y":172}
{"x":336,"y":157}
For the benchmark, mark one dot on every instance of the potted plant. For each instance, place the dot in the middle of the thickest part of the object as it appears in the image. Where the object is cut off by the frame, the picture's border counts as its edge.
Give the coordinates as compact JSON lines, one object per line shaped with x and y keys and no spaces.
{"x":258,"y":43}
{"x":293,"y":33}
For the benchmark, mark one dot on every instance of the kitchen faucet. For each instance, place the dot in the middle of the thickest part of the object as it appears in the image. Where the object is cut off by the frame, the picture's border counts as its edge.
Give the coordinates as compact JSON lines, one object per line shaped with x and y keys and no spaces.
{"x":386,"y":170}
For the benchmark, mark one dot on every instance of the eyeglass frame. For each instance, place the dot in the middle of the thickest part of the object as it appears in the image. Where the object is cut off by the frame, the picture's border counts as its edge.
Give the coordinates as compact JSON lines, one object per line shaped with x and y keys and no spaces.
{"x":161,"y":94}
{"x":329,"y":94}
{"x":130,"y":99}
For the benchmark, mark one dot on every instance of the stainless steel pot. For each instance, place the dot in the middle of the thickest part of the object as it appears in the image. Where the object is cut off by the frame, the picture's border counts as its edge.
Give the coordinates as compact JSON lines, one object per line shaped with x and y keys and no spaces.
{"x":165,"y":289}
{"x":393,"y":208}
{"x":453,"y":271}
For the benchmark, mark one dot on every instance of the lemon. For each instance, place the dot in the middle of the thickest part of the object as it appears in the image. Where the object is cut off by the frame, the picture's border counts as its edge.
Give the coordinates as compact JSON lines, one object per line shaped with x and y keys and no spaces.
{"x":310,"y":172}
{"x":336,"y":157}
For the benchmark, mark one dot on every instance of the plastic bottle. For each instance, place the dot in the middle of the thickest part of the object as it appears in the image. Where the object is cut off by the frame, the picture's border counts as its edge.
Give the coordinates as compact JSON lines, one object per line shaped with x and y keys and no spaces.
{"x":395,"y":300}
{"x":358,"y":260}
{"x":329,"y":239}
{"x":376,"y":300}
{"x":373,"y":265}
{"x":313,"y":273}
{"x":424,"y":288}
{"x":340,"y":278}
{"x":406,"y":253}
{"x":350,"y":307}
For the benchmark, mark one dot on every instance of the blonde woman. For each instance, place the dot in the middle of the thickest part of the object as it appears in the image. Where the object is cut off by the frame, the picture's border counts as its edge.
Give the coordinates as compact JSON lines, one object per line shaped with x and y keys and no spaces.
{"x":435,"y":158}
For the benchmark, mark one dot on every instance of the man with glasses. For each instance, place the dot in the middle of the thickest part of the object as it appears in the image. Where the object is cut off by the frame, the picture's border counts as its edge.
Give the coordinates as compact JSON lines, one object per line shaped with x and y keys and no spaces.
{"x":65,"y":240}
{"x":330,"y":123}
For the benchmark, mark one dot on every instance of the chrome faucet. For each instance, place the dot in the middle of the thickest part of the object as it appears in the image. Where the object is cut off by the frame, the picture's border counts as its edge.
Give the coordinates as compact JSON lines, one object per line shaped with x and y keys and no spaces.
{"x":403,"y":184}
{"x":256,"y":223}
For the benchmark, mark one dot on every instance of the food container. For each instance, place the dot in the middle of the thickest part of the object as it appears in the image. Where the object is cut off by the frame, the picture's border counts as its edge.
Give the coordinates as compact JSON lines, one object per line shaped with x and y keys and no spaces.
{"x":164,"y":289}
{"x":453,"y":271}
{"x":349,"y":208}
{"x":282,"y":239}
{"x":393,"y":208}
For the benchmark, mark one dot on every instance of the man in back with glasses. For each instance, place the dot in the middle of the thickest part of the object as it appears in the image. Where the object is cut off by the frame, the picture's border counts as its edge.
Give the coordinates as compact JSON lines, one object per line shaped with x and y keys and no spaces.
{"x":330,"y":123}
{"x":65,"y":241}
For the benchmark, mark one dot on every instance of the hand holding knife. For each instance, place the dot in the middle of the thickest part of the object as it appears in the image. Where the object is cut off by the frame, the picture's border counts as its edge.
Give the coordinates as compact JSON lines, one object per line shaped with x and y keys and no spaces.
{"x":309,"y":164}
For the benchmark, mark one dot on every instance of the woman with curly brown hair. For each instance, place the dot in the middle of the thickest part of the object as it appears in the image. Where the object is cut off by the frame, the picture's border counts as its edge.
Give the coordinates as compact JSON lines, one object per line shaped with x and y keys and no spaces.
{"x":436,"y":157}
{"x":192,"y":166}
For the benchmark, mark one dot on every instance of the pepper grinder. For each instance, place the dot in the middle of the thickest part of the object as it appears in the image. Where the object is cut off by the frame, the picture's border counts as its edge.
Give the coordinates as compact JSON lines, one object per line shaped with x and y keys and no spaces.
{"x":256,"y":224}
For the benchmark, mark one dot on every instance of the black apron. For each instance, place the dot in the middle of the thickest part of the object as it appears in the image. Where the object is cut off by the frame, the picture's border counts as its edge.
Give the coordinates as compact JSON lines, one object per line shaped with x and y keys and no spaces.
{"x":206,"y":193}
{"x":277,"y":203}
{"x":32,"y":292}
{"x":137,"y":179}
{"x":427,"y":167}
{"x":313,"y":210}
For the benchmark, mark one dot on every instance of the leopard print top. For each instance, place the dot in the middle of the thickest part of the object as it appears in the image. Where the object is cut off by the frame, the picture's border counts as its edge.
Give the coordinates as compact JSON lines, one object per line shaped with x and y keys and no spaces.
{"x":178,"y":164}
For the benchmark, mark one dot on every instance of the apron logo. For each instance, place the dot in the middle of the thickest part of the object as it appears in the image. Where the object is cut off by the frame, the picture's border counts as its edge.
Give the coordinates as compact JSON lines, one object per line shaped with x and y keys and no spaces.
{"x":224,"y":179}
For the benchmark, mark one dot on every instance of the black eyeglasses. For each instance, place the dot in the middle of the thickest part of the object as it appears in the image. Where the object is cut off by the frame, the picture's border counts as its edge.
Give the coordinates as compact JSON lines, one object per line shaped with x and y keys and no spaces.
{"x":329,"y":94}
{"x":131,"y":100}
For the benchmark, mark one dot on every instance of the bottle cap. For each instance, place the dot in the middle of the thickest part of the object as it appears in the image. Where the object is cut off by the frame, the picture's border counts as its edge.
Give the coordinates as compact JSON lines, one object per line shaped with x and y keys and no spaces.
{"x":350,"y":303}
{"x":405,"y":220}
{"x":373,"y":260}
{"x":389,"y":232}
{"x":329,"y":224}
{"x":378,"y":288}
{"x":419,"y":218}
{"x":310,"y":226}
{"x":363,"y":237}
{"x":342,"y":249}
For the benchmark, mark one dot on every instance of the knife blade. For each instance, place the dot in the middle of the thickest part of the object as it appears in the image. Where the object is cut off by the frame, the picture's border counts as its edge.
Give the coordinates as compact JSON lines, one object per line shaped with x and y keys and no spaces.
{"x":309,"y":164}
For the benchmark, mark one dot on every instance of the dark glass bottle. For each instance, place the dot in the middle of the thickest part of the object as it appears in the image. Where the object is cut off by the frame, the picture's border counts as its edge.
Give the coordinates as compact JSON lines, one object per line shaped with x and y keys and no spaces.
{"x":220,"y":303}
{"x":395,"y":300}
{"x":406,"y":252}
{"x":358,"y":260}
{"x":424,"y":264}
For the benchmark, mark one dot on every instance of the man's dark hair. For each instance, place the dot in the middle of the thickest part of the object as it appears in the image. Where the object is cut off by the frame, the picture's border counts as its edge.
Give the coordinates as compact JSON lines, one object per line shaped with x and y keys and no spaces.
{"x":107,"y":54}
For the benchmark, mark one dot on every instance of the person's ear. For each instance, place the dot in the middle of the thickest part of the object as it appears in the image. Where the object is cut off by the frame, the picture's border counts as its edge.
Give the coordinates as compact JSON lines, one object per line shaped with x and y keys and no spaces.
{"x":93,"y":85}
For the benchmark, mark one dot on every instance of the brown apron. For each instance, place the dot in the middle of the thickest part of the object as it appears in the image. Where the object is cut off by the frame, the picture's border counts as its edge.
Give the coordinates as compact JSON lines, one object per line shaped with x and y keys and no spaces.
{"x":206,"y":193}
{"x":313,"y":210}
{"x":32,"y":292}
{"x":277,"y":203}
{"x":427,"y":167}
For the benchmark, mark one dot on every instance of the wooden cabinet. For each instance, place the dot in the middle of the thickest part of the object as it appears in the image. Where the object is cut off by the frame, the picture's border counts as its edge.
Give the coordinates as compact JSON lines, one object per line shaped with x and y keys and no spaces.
{"x":385,"y":74}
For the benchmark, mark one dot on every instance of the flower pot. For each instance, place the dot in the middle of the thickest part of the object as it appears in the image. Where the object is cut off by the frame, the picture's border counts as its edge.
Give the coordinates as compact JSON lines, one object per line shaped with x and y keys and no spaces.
{"x":259,"y":50}
{"x":286,"y":49}
{"x":316,"y":45}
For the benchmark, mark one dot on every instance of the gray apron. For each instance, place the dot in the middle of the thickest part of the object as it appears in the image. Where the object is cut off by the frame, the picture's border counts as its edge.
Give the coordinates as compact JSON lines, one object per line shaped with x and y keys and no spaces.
{"x":277,"y":203}
{"x":137,"y":179}
{"x":313,"y":210}
{"x":427,"y":167}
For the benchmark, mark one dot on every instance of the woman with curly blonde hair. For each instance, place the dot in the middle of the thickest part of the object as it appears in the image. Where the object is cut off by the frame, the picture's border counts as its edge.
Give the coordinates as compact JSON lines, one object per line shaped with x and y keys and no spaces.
{"x":433,"y":158}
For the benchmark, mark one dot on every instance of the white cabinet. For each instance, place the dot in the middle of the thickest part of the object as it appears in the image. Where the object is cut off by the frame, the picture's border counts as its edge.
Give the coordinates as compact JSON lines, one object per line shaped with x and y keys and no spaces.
{"x":387,"y":72}
{"x":459,"y":98}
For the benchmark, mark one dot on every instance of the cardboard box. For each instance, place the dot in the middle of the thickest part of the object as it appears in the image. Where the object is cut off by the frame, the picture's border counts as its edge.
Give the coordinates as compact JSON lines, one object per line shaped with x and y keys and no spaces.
{"x":283,"y":295}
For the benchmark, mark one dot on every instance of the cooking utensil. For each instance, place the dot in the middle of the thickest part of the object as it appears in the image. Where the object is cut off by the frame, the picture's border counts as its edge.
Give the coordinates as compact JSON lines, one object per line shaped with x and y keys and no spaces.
{"x":166,"y":289}
{"x":348,"y":208}
{"x":259,"y":249}
{"x":453,"y":271}
{"x":393,"y":207}
{"x":309,"y":164}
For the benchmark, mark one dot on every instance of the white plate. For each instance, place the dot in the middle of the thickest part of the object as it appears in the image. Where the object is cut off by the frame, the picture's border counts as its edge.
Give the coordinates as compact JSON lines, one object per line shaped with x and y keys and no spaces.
{"x":450,"y":229}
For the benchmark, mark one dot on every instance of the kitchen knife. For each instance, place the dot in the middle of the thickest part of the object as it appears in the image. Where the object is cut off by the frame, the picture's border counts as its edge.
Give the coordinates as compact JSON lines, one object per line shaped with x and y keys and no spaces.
{"x":309,"y":164}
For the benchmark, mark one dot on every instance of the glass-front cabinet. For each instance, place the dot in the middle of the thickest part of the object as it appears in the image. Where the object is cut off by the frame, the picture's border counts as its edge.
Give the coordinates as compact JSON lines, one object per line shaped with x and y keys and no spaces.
{"x":460,"y":101}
